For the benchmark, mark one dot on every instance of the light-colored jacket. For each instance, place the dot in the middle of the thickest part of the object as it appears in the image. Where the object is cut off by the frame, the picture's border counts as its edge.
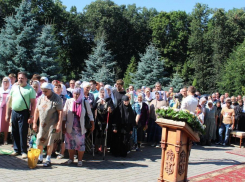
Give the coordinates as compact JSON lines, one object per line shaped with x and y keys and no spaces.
{"x":189,"y":103}
{"x":68,"y":115}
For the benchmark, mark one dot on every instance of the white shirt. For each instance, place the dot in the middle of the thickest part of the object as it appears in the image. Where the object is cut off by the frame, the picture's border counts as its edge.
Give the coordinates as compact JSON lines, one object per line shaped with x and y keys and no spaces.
{"x":189,"y":103}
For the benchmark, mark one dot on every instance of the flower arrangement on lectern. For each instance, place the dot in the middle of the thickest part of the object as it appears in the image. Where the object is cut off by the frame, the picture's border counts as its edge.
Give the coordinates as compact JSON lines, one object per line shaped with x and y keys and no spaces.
{"x":183,"y":116}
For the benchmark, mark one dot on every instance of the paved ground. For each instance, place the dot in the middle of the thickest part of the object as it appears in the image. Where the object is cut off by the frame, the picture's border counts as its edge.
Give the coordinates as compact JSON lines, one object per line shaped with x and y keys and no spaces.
{"x":138,"y":166}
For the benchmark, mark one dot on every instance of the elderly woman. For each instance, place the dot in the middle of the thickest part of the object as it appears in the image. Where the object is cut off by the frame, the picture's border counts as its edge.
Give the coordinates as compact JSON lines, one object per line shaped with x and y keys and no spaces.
{"x":49,"y":111}
{"x":4,"y":91}
{"x":154,"y":130}
{"x":36,"y":86}
{"x":58,"y":90}
{"x":202,"y":103}
{"x":148,"y":96}
{"x":210,"y":120}
{"x":88,"y":96}
{"x":110,"y":94}
{"x":73,"y":118}
{"x":142,"y":122}
{"x":102,"y":106}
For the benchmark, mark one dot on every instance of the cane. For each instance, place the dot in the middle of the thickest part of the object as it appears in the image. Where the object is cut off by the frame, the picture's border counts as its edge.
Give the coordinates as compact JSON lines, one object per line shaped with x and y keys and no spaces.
{"x":93,"y":142}
{"x":106,"y":129}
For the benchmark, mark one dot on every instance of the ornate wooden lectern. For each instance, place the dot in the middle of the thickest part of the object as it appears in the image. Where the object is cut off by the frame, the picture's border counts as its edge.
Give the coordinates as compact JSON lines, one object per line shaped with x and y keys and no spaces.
{"x":176,"y":142}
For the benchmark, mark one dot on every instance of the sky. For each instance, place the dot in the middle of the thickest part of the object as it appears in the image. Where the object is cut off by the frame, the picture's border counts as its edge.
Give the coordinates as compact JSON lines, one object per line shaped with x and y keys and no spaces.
{"x":163,"y":5}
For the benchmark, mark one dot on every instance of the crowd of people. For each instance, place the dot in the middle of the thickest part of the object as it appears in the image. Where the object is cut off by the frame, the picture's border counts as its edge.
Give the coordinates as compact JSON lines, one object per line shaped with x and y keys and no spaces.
{"x":119,"y":118}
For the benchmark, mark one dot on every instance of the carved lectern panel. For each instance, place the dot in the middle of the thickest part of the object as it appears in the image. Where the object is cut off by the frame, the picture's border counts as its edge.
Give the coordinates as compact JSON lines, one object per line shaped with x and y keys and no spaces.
{"x":169,"y":164}
{"x":182,"y":163}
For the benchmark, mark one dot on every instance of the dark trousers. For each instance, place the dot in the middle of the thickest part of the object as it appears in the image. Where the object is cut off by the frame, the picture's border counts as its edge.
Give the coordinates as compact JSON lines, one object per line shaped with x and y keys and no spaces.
{"x":20,"y":130}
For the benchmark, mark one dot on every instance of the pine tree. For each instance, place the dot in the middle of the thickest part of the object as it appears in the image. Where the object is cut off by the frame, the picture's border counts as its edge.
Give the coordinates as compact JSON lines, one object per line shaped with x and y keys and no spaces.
{"x":150,"y":69}
{"x":45,"y":54}
{"x":17,"y":41}
{"x":100,"y":65}
{"x":177,"y":83}
{"x":128,"y":74}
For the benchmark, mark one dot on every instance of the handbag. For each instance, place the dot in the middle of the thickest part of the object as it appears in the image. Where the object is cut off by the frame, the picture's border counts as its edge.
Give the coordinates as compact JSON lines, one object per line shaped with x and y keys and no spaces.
{"x":87,"y":122}
{"x":25,"y":102}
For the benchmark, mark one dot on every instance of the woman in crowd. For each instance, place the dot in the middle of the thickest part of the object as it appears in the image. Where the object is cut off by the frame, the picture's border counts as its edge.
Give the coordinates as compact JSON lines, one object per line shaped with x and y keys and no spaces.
{"x":219,"y":108}
{"x":36,"y":86}
{"x":142,"y":123}
{"x":110,"y":94}
{"x":4,"y":91}
{"x":210,"y":120}
{"x":49,"y":111}
{"x":74,"y":125}
{"x":123,"y":128}
{"x":202,"y":103}
{"x":240,"y":116}
{"x":154,"y":130}
{"x":58,"y":90}
{"x":88,"y":96}
{"x":102,"y":106}
{"x":148,"y":96}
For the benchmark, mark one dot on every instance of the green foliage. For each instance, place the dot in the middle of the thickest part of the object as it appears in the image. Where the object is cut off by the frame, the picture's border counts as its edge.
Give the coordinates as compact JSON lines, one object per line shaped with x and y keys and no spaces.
{"x":45,"y":54}
{"x":177,"y":83}
{"x":232,"y":80}
{"x":150,"y":69}
{"x":170,"y":32}
{"x":18,"y":39}
{"x":183,"y":116}
{"x":130,"y":70}
{"x":100,"y":65}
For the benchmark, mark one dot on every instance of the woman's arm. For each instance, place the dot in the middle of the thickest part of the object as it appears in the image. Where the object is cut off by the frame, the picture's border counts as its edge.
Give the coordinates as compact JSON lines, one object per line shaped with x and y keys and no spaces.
{"x":36,"y":115}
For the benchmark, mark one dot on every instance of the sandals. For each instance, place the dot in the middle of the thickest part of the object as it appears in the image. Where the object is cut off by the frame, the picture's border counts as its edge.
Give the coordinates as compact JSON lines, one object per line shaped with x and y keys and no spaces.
{"x":80,"y":164}
{"x":69,"y":162}
{"x":39,"y":161}
{"x":60,"y":156}
{"x":47,"y":164}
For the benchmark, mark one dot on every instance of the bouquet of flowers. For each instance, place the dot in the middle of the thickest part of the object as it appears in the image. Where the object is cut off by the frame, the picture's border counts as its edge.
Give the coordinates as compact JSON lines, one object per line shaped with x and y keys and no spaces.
{"x":182,"y":115}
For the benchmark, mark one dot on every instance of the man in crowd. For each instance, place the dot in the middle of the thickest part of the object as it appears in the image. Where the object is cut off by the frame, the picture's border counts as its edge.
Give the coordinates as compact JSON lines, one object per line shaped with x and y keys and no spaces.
{"x":217,"y":96}
{"x":12,"y":77}
{"x":101,"y":84}
{"x":226,"y":95}
{"x":93,"y":89}
{"x":239,"y":97}
{"x":72,"y":86}
{"x":190,"y":102}
{"x":158,"y":87}
{"x":21,"y":98}
{"x":227,"y":117}
{"x":214,"y":98}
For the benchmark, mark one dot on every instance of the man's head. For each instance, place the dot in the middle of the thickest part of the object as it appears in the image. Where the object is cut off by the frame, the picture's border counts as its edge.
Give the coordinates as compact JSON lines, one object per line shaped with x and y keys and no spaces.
{"x":22,"y":78}
{"x":131,"y":88}
{"x":191,"y":90}
{"x":101,"y":84}
{"x":158,"y":86}
{"x":93,"y":84}
{"x":171,"y":90}
{"x":217,"y":95}
{"x":233,"y":99}
{"x":226,"y":95}
{"x":12,"y":77}
{"x":228,"y":102}
{"x":239,"y":97}
{"x":72,"y":84}
{"x":213,"y":97}
{"x":119,"y":85}
{"x":36,"y":77}
{"x":222,"y":99}
{"x":240,"y":102}
{"x":184,"y":92}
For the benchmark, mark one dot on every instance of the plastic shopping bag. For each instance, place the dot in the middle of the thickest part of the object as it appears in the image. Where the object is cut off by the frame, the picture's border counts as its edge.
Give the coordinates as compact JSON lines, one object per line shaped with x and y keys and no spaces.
{"x":33,"y":155}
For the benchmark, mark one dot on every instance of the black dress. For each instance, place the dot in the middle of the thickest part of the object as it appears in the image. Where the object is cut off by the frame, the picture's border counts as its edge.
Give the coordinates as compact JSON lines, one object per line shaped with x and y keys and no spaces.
{"x":120,"y":141}
{"x":239,"y":118}
{"x":101,"y":120}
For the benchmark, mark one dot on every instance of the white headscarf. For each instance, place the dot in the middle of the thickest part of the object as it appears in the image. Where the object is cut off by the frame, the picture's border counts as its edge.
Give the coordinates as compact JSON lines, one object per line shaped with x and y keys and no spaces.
{"x":112,"y":96}
{"x":64,"y":92}
{"x":2,"y":91}
{"x":48,"y":86}
{"x":148,"y":98}
{"x":105,"y":95}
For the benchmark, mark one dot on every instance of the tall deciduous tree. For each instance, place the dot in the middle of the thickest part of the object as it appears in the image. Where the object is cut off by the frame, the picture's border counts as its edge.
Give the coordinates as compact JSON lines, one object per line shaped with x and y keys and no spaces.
{"x":100,"y":65}
{"x":150,"y":69}
{"x":199,"y":45}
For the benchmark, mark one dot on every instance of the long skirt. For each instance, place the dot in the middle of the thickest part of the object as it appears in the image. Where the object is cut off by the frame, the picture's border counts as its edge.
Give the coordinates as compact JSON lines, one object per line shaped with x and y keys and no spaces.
{"x":75,"y":140}
{"x":154,"y":131}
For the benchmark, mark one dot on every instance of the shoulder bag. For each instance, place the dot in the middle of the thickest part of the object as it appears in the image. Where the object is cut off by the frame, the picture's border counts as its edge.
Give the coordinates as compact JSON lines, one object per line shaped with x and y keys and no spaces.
{"x":25,"y":102}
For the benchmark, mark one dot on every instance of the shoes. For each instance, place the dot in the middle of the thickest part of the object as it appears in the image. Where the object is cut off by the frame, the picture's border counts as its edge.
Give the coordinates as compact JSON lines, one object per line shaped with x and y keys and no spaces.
{"x":69,"y":162}
{"x":154,"y":144}
{"x":158,"y":146}
{"x":14,"y":154}
{"x":47,"y":164}
{"x":137,"y":149}
{"x":80,"y":164}
{"x":24,"y":156}
{"x":60,"y":156}
{"x":217,"y":143}
{"x":128,"y":152}
{"x":224,"y":144}
{"x":39,"y":161}
{"x":5,"y":143}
